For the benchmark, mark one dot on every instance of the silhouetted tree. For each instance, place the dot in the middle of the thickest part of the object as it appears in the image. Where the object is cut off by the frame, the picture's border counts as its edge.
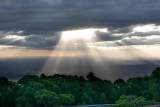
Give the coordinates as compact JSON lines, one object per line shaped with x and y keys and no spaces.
{"x":91,"y":77}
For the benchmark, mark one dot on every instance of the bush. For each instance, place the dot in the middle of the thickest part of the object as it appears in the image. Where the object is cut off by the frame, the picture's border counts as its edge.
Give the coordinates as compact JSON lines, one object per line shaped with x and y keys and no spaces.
{"x":132,"y":101}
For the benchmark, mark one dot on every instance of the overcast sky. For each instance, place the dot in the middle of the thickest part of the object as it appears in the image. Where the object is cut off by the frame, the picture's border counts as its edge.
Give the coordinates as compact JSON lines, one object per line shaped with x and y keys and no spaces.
{"x":106,"y":32}
{"x":28,"y":27}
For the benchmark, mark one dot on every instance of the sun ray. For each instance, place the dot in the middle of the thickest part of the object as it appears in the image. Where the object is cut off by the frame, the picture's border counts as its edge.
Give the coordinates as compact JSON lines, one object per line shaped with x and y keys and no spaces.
{"x":71,"y":44}
{"x":76,"y":45}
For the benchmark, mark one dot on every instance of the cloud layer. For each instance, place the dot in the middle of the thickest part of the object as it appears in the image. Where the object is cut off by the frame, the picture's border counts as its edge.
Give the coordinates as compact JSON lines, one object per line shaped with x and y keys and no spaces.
{"x":41,"y":20}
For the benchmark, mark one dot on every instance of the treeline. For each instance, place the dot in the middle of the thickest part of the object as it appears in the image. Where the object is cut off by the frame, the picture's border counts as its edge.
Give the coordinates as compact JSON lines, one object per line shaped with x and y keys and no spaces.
{"x":57,"y":90}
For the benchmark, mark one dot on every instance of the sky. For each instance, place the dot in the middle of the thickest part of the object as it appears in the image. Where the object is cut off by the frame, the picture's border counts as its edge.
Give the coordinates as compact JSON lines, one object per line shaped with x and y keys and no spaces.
{"x":98,"y":30}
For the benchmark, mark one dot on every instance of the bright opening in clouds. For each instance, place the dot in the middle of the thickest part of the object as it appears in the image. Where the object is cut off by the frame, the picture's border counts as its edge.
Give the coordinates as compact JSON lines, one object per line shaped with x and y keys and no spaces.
{"x":146,"y":28}
{"x":14,"y":37}
{"x":78,"y":34}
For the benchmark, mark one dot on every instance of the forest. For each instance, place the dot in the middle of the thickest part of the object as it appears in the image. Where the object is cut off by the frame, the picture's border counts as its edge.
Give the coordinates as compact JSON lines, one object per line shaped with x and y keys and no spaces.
{"x":67,"y":90}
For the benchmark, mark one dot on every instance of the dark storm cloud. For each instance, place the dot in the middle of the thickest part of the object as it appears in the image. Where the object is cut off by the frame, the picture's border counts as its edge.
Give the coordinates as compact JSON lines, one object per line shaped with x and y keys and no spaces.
{"x":107,"y":36}
{"x":40,"y":42}
{"x":52,"y":15}
{"x":124,"y":30}
{"x":137,"y":41}
{"x":143,"y":34}
{"x":32,"y":42}
{"x":45,"y":17}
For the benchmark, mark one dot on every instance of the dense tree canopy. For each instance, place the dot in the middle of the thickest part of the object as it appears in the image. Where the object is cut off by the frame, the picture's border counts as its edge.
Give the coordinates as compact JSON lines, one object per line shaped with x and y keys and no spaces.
{"x":48,"y":91}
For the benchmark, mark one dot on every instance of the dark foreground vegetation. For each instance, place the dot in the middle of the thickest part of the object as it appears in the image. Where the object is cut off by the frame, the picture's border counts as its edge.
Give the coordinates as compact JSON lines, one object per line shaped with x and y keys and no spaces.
{"x":58,"y":90}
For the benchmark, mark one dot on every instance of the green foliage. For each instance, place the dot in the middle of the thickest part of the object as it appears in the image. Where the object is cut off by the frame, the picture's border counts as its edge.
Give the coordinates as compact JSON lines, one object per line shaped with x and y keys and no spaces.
{"x":85,"y":99}
{"x":132,"y":101}
{"x":67,"y":90}
{"x":46,"y":98}
{"x":66,"y":99}
{"x":156,"y":73}
{"x":155,"y":87}
{"x":103,"y":99}
{"x":148,"y":94}
{"x":35,"y":85}
{"x":26,"y":97}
